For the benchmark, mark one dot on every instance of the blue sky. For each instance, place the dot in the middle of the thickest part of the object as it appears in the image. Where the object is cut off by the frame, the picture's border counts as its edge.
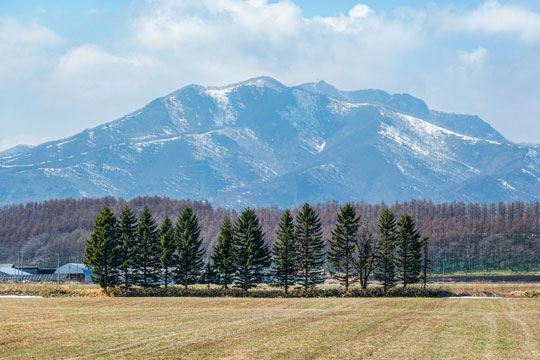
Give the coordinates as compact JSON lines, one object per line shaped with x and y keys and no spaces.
{"x":68,"y":65}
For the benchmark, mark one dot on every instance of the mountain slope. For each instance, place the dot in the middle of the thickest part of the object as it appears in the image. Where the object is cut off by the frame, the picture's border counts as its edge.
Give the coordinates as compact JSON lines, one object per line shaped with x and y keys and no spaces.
{"x":260,"y":142}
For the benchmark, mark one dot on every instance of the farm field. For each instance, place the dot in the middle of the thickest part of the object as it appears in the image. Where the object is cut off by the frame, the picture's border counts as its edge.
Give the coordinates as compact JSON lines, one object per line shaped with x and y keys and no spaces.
{"x":248,"y":328}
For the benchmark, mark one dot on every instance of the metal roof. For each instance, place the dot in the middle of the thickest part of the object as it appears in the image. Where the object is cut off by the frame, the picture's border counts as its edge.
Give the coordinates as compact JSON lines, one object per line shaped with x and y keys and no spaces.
{"x":72,"y":268}
{"x":12,"y":271}
{"x":38,"y":277}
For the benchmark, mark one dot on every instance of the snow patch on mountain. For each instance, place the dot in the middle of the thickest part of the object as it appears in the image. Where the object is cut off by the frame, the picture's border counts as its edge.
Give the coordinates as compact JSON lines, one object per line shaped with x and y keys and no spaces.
{"x":226,"y":114}
{"x":205,"y":147}
{"x":429,"y":131}
{"x":525,"y":171}
{"x":339,"y":107}
{"x":506,"y":185}
{"x":176,"y":111}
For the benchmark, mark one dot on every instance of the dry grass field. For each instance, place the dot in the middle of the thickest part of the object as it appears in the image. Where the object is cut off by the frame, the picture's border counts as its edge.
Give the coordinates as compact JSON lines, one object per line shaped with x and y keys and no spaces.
{"x":247,"y":328}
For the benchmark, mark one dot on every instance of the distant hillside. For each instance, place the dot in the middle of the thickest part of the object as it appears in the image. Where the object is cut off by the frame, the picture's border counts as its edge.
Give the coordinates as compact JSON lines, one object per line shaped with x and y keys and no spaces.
{"x":464,"y":236}
{"x":261,"y":143}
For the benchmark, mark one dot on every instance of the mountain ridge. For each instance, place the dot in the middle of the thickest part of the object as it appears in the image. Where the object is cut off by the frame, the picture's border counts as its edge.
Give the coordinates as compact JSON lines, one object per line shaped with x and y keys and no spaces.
{"x":259,"y":142}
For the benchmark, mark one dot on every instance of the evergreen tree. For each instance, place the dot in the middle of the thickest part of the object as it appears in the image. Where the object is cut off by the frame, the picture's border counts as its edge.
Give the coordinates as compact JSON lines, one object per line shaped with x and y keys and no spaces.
{"x":342,"y":245}
{"x":426,"y":263}
{"x":251,"y":254}
{"x":386,"y":261}
{"x":189,"y":247}
{"x":128,"y":230}
{"x":310,"y":246}
{"x":223,"y":256}
{"x":409,"y":251}
{"x":285,"y":252}
{"x":147,"y":263}
{"x":102,"y":253}
{"x":168,"y":247}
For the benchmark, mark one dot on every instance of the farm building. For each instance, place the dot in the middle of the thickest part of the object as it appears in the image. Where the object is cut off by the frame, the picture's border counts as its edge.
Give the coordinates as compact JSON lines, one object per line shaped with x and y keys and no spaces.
{"x":36,"y":270}
{"x":12,"y":271}
{"x":75,"y":272}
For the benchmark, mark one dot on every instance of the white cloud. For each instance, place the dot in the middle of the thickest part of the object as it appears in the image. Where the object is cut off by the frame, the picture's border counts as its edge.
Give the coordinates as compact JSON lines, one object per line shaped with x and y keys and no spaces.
{"x":493,"y":18}
{"x":475,"y":58}
{"x":90,"y":58}
{"x":88,"y":74}
{"x":220,"y":41}
{"x":24,"y":49}
{"x":12,"y":32}
{"x":361,"y":11}
{"x":170,"y":24}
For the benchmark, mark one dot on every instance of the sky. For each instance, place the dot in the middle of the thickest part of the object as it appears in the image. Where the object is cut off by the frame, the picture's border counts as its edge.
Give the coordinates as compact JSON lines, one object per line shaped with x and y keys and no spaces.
{"x":69,"y":65}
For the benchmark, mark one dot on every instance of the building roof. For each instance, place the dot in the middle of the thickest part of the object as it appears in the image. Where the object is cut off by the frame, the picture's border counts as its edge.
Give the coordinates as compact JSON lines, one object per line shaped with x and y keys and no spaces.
{"x":7,"y":265}
{"x":12,"y":271}
{"x":72,"y":268}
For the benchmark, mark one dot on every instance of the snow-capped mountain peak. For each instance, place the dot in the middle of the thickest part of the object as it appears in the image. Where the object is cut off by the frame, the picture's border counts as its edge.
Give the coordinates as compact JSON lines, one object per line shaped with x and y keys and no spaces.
{"x":259,"y":142}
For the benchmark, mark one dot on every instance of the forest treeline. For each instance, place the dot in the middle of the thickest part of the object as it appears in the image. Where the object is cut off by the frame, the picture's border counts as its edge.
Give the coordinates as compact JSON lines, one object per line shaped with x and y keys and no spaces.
{"x":464,"y":237}
{"x":128,"y":251}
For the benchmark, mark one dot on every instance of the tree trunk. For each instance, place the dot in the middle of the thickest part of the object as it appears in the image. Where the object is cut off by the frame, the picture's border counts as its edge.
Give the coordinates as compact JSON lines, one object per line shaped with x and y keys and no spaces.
{"x":245,"y":280}
{"x":347,"y":268}
{"x":306,"y":278}
{"x":306,"y":267}
{"x":166,"y":278}
{"x":105,"y":279}
{"x":225,"y":280}
{"x":385,"y":277}
{"x":145,"y":281}
{"x":346,"y":275}
{"x":405,"y":265}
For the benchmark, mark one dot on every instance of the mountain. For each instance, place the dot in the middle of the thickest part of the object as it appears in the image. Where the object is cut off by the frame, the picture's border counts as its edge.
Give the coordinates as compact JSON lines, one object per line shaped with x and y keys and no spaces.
{"x":259,"y":142}
{"x":15,"y":150}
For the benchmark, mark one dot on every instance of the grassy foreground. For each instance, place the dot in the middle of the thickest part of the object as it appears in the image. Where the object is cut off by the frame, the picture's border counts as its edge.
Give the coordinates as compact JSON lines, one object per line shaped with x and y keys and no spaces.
{"x":247,"y":328}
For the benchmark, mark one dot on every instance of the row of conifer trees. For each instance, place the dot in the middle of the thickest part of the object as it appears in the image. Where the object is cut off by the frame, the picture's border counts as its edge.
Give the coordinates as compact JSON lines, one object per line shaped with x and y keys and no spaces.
{"x":136,"y":251}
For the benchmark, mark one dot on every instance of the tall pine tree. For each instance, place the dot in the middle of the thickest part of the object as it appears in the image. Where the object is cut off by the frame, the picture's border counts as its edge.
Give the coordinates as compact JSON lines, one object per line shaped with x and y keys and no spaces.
{"x":310,"y":246}
{"x":342,"y":245}
{"x":168,"y":249}
{"x":223,"y":256}
{"x":409,"y":251}
{"x":285,"y":252}
{"x":128,"y":231}
{"x":147,"y":262}
{"x":189,"y":247}
{"x":386,"y":261}
{"x":102,"y":252}
{"x":252,"y":255}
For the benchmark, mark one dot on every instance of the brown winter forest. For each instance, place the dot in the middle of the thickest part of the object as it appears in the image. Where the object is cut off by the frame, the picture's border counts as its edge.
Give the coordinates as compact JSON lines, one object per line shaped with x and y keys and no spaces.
{"x":464,"y":237}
